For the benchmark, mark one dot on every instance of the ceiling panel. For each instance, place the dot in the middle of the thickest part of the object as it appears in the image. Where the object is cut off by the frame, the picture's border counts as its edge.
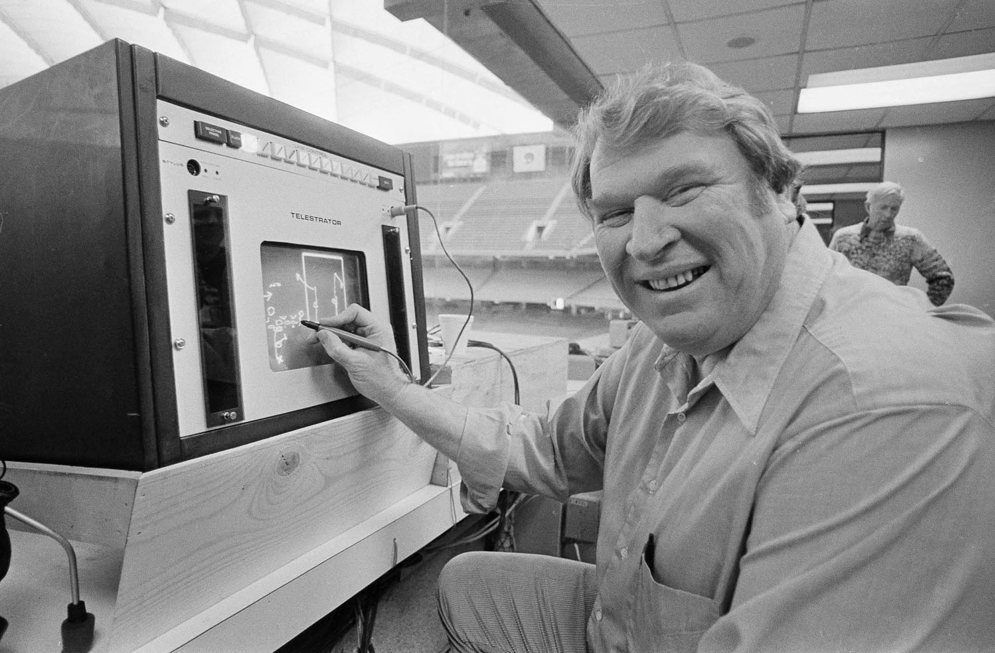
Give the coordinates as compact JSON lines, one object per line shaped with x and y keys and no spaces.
{"x":760,"y":75}
{"x":608,"y":54}
{"x":781,"y":103}
{"x":845,"y":23}
{"x":963,"y":44}
{"x":972,"y":15}
{"x":225,"y":14}
{"x":233,"y":59}
{"x":776,"y":31}
{"x":936,"y":113}
{"x":300,"y":83}
{"x":837,"y":121}
{"x":55,"y":33}
{"x":686,"y":10}
{"x":21,"y":59}
{"x":143,"y":28}
{"x":308,"y":34}
{"x":864,"y":172}
{"x":834,"y":142}
{"x":864,"y":56}
{"x":578,"y":18}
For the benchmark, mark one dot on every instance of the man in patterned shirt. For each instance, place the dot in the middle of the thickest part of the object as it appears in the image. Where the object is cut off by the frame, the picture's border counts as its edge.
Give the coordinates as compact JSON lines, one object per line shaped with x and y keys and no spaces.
{"x":888,"y":250}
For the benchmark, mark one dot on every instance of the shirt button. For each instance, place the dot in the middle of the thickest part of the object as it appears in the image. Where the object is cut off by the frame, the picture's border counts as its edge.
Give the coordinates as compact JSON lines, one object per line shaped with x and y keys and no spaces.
{"x":623,"y":553}
{"x":652,"y":485}
{"x":681,"y":417}
{"x":597,"y":614}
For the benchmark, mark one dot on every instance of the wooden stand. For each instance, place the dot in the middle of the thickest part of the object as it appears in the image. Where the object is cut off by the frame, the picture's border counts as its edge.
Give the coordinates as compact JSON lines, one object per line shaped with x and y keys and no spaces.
{"x":243,"y":549}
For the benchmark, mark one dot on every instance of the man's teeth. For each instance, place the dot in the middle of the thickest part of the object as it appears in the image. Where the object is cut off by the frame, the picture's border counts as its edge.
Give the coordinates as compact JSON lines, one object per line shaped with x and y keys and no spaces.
{"x":677,"y":280}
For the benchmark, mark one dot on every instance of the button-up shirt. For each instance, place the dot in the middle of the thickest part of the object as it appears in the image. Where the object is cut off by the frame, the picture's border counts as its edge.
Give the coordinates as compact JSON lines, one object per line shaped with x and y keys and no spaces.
{"x":824,"y":484}
{"x":893,"y":253}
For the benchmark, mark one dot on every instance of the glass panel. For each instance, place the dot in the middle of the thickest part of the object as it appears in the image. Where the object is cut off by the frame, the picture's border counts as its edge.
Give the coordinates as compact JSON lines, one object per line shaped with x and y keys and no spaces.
{"x":306,"y":283}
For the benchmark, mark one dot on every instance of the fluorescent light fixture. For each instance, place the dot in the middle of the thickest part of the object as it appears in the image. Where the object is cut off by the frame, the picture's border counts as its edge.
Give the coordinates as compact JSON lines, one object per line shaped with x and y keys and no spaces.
{"x":840,"y":157}
{"x":942,"y":80}
{"x":820,"y":207}
{"x":838,"y":189}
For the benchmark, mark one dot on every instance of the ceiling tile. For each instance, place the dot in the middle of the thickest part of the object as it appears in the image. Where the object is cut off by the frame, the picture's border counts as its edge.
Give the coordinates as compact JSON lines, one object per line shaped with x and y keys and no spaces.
{"x":142,"y":28}
{"x":685,"y":10}
{"x":936,"y":113}
{"x":972,"y":15}
{"x":759,"y":75}
{"x":57,"y":31}
{"x":989,"y":113}
{"x":20,"y":60}
{"x":963,"y":44}
{"x":864,"y":56}
{"x":834,"y":142}
{"x":307,"y":35}
{"x":836,"y":121}
{"x":865,"y":172}
{"x":779,"y":102}
{"x":609,"y":54}
{"x":824,"y":174}
{"x":575,"y":18}
{"x":223,"y":13}
{"x":231,"y":59}
{"x":299,"y":83}
{"x":842,"y":23}
{"x":777,"y":31}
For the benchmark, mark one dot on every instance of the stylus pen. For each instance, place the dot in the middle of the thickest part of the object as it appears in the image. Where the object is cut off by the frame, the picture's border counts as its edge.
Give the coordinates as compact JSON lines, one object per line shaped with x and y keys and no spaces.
{"x":360,"y":341}
{"x":346,"y":336}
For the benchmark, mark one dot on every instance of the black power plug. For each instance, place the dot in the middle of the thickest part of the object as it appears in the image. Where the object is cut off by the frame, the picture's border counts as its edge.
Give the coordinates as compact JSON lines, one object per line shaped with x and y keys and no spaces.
{"x":77,"y":629}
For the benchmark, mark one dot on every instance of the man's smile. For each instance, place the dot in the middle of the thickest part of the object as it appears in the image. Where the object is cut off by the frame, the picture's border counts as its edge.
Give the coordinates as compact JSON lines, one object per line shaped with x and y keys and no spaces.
{"x":675,"y":282}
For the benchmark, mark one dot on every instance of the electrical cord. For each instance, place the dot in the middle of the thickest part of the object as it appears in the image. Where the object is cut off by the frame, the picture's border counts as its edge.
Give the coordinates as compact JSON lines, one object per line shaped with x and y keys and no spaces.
{"x":78,"y":627}
{"x":514,"y":372}
{"x":396,"y":211}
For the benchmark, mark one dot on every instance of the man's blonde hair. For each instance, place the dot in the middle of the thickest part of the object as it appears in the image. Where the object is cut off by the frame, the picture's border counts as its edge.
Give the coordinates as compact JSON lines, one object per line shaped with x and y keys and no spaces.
{"x":663,"y":100}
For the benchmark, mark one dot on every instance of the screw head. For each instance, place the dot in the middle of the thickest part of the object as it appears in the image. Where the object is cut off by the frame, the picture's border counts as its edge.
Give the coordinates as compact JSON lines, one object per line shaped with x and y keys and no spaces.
{"x":164,"y":121}
{"x":179,"y":343}
{"x":170,"y":218}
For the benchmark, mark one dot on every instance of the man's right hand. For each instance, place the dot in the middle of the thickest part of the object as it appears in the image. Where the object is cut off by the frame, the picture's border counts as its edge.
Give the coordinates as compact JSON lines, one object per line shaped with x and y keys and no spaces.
{"x":374,"y":374}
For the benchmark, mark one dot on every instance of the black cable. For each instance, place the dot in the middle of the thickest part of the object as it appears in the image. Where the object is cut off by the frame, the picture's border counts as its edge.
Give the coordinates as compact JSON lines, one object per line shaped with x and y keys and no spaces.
{"x":469,"y":284}
{"x":514,"y":372}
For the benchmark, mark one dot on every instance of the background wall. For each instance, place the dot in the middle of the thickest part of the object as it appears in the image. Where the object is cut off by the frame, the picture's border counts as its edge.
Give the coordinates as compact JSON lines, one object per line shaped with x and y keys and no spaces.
{"x":948,"y":172}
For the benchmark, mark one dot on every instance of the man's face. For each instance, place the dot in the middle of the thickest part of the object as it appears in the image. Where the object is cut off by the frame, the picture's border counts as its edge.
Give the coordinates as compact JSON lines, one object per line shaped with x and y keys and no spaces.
{"x":882,"y":211}
{"x":682,"y":241}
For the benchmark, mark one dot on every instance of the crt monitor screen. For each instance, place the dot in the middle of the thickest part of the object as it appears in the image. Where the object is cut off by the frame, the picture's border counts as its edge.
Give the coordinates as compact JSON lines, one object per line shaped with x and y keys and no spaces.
{"x":306,"y":283}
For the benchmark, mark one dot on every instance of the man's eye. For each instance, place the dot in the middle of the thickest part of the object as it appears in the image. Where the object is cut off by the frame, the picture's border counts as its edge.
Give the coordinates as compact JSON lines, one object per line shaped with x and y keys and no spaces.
{"x":684,"y":194}
{"x":615,"y":218}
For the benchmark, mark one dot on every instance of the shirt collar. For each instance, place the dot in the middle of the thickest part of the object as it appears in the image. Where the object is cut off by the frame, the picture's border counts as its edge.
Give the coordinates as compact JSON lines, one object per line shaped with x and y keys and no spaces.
{"x":745,"y":374}
{"x":865,"y":229}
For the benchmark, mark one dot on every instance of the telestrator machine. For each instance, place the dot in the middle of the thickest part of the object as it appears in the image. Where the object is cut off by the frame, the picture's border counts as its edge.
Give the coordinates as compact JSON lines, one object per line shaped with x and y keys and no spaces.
{"x":163,"y":233}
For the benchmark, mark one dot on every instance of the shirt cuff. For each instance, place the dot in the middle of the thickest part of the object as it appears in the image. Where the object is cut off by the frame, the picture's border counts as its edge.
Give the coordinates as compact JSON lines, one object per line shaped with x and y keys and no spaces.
{"x":482,"y":458}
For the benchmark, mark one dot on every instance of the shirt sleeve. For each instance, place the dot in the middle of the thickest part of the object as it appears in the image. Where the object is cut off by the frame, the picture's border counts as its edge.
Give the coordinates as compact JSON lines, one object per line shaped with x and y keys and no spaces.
{"x":852,"y":520}
{"x":555,"y":454}
{"x":934,"y":269}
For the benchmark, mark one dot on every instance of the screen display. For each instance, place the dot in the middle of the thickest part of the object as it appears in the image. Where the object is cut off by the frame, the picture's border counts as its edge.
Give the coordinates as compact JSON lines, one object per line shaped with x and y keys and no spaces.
{"x":306,"y":283}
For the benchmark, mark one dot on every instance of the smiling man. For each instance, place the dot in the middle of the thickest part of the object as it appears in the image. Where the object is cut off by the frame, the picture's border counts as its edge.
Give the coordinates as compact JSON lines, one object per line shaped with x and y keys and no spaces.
{"x":793,"y":454}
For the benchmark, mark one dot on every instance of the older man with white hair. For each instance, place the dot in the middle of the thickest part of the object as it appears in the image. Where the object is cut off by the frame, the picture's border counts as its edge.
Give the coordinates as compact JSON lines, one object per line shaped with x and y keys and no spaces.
{"x":889,"y":250}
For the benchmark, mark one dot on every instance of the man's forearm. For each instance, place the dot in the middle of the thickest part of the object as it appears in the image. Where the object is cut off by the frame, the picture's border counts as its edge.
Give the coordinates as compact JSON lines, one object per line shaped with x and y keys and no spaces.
{"x":432,"y":416}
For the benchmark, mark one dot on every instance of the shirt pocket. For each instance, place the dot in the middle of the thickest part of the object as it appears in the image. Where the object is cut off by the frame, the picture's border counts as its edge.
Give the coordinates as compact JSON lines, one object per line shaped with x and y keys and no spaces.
{"x":666,"y":619}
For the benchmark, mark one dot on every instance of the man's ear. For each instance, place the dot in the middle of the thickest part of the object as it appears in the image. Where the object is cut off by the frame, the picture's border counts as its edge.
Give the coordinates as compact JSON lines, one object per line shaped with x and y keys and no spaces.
{"x":785,"y":206}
